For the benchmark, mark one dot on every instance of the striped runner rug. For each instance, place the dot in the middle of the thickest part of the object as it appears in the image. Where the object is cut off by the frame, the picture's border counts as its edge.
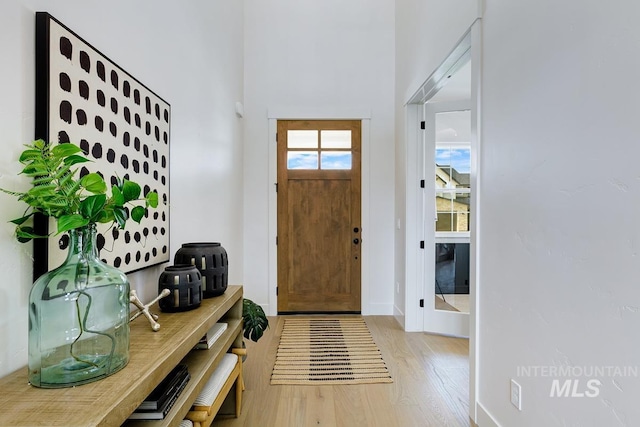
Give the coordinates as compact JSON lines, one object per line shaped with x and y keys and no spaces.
{"x":328,"y":351}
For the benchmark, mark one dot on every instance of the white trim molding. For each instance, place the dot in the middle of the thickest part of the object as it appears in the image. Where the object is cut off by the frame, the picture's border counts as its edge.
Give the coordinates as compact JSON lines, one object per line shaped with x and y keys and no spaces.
{"x":484,"y":418}
{"x":280,"y":112}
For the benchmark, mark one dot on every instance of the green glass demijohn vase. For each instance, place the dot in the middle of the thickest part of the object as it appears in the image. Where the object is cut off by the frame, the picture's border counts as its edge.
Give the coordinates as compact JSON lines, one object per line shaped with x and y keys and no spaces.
{"x":78,"y":318}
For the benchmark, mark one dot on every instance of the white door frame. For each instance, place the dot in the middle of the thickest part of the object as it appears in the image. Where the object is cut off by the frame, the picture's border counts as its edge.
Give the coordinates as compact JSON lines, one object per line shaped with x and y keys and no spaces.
{"x":469,"y":46}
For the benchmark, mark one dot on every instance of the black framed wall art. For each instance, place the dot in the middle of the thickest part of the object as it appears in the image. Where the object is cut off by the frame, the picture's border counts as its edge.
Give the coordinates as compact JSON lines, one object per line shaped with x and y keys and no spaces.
{"x":124,"y":127}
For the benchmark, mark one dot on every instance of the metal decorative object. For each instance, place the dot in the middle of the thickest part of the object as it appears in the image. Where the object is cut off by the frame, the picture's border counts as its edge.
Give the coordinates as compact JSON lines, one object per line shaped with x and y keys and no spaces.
{"x":144,"y":308}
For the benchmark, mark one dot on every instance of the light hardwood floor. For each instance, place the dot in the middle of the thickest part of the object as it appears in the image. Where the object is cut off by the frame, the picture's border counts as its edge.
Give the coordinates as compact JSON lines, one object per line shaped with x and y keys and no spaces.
{"x":456,"y":302}
{"x":430,"y":388}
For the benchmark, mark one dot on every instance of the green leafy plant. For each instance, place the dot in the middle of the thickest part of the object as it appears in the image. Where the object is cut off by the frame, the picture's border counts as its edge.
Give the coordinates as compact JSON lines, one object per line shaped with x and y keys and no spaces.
{"x":75,"y":203}
{"x":255,"y":320}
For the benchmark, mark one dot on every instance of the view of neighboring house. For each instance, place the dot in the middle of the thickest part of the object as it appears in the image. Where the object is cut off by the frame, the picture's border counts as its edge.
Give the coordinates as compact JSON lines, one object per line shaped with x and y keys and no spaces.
{"x":452,"y":206}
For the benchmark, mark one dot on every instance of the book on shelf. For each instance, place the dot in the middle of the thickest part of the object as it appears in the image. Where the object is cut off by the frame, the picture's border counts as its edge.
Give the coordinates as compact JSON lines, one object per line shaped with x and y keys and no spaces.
{"x":161,"y":400}
{"x":212,"y":335}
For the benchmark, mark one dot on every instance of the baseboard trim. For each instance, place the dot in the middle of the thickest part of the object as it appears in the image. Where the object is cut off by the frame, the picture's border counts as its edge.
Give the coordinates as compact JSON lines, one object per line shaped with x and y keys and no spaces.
{"x":375,"y":309}
{"x":399,"y":315}
{"x":484,"y":419}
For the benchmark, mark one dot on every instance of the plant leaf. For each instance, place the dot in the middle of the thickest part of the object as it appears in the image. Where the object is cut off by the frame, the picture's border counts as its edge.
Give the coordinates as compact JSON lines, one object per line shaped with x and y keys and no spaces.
{"x":120,"y":215}
{"x":152,"y":199}
{"x":28,"y":155}
{"x":34,"y":170}
{"x":116,"y":196}
{"x":20,"y":221}
{"x":130,"y":190}
{"x":26,"y":234}
{"x":92,"y":205}
{"x":39,"y":144}
{"x":12,"y":193}
{"x":42,"y":190}
{"x":137,"y":213}
{"x":105,"y":216}
{"x":65,"y":150}
{"x":94,"y":183}
{"x":42,"y":180}
{"x":74,"y":159}
{"x":254,"y":319}
{"x":69,"y":222}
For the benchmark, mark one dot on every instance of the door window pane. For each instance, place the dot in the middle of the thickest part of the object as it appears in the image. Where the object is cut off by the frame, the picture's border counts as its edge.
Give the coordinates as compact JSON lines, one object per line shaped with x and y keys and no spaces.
{"x":444,"y":221}
{"x":335,"y":138}
{"x":335,"y":160}
{"x":453,"y":126}
{"x":452,"y":276}
{"x":302,"y":160}
{"x":302,"y":139}
{"x":453,"y":211}
{"x":453,"y":167}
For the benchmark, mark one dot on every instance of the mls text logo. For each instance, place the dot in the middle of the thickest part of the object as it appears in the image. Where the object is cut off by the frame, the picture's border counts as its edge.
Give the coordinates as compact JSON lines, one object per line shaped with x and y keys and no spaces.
{"x":575,"y":388}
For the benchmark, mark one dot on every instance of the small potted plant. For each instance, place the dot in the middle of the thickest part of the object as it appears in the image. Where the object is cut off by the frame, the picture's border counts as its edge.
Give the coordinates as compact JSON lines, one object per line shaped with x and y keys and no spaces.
{"x":78,"y":312}
{"x":255,"y":320}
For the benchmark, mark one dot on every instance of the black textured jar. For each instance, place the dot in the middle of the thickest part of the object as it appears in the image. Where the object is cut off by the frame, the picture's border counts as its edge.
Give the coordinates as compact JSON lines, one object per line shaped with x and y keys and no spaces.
{"x":185,"y":284}
{"x":212,"y":262}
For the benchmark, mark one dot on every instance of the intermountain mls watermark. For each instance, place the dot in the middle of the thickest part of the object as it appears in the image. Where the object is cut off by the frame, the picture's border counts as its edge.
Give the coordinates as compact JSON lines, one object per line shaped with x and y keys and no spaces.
{"x":576,"y":381}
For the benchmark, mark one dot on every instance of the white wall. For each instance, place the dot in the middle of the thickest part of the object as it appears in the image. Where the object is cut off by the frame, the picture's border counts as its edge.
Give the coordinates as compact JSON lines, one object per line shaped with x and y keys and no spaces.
{"x":189,"y":53}
{"x":324,"y":58}
{"x":559,"y":268}
{"x":559,"y":200}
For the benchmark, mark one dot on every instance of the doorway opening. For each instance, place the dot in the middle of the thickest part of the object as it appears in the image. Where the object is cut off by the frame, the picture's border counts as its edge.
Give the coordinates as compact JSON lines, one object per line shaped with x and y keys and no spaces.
{"x":420,"y":239}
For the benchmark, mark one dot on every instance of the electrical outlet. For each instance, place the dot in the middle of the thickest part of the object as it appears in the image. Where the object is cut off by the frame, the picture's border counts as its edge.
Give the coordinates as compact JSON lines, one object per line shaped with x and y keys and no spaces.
{"x":516,"y":395}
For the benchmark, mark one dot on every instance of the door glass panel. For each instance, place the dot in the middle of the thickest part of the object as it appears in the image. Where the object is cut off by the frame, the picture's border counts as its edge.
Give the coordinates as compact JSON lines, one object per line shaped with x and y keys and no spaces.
{"x":452,"y":203}
{"x":444,"y":221}
{"x":302,"y":160}
{"x":335,"y":160}
{"x":453,"y":167}
{"x":453,"y":210}
{"x":452,"y":277}
{"x":335,"y":138}
{"x":302,"y":139}
{"x":453,"y":127}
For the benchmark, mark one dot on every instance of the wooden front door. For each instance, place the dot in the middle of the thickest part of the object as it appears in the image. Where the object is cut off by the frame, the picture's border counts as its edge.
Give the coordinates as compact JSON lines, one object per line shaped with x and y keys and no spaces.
{"x":319,"y":233}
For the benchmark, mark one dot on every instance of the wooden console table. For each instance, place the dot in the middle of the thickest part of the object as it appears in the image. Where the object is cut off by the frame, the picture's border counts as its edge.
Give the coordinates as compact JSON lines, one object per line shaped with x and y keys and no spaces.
{"x":110,"y":401}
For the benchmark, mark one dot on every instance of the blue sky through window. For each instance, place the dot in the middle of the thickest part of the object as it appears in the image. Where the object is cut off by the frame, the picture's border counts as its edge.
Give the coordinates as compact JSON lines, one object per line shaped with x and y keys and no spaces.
{"x":336,"y":160}
{"x":302,"y":160}
{"x":330,"y":160}
{"x":458,"y":158}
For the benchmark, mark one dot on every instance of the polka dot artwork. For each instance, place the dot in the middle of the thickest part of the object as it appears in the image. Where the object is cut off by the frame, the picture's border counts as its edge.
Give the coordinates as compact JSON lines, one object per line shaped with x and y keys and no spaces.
{"x":121,"y":125}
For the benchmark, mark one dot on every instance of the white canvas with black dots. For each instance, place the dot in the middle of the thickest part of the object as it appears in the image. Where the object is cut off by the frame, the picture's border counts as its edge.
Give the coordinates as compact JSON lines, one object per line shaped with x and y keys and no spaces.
{"x":123,"y":127}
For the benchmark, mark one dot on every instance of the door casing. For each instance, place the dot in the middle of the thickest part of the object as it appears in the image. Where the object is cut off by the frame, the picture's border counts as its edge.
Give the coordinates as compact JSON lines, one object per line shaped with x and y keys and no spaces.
{"x":337,"y":112}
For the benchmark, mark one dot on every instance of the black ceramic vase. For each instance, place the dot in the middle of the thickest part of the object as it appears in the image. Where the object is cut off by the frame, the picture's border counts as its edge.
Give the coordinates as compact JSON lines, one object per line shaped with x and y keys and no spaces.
{"x":211,"y":260}
{"x":184,"y":284}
